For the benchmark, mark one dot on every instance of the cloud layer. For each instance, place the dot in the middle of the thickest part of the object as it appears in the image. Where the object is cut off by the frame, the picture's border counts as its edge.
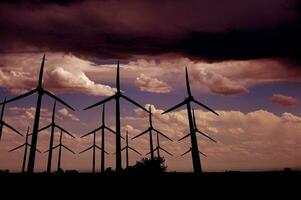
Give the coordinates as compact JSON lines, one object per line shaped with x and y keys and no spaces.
{"x":66,"y":73}
{"x":246,"y":141}
{"x":149,"y":84}
{"x":258,"y":139}
{"x":121,"y":29}
{"x":284,"y":100}
{"x":63,"y":74}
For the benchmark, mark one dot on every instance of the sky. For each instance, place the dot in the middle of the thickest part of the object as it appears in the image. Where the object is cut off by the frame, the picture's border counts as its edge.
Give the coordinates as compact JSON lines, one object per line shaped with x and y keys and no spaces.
{"x":243,"y":59}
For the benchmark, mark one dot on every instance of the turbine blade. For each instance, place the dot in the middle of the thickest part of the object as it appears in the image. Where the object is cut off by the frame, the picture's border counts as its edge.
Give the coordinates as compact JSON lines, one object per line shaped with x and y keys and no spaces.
{"x":98,"y":147}
{"x":68,"y":149}
{"x":86,"y":149}
{"x":204,"y":106}
{"x":58,"y":99}
{"x":135,"y":151}
{"x":59,"y":127}
{"x":175,"y":107}
{"x":36,"y":148}
{"x":193,"y":116}
{"x":101,"y":149}
{"x":162,"y":134}
{"x":202,"y":153}
{"x":46,"y":127}
{"x":182,"y":138}
{"x":186,"y":152}
{"x":166,"y":151}
{"x":206,"y":136}
{"x":122,"y":149}
{"x":91,"y":132}
{"x":38,"y":151}
{"x":52,"y":148}
{"x":18,"y":147}
{"x":100,"y":102}
{"x":187,"y":82}
{"x":53,"y":110}
{"x":20,"y":97}
{"x":104,"y":126}
{"x":10,"y":127}
{"x":41,"y":71}
{"x":103,"y":113}
{"x":133,"y":102}
{"x":141,"y":134}
{"x":155,"y":149}
{"x":42,"y":129}
{"x":118,"y":77}
{"x":109,"y":129}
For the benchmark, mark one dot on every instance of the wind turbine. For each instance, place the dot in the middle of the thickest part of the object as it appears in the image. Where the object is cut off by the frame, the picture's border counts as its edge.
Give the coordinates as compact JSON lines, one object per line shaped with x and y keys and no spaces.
{"x":94,"y":146}
{"x":52,"y":125}
{"x":149,"y":130}
{"x":60,"y":145}
{"x":3,"y":123}
{"x":158,"y":148}
{"x":40,"y":91}
{"x":26,"y":144}
{"x":117,"y":97}
{"x":194,"y":144}
{"x":198,"y":131}
{"x":126,"y":148}
{"x":102,"y":127}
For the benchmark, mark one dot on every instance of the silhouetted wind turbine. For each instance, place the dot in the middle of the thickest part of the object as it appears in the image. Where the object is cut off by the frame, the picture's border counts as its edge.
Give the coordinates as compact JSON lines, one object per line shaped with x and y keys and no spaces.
{"x":60,"y":145}
{"x":2,"y":123}
{"x":126,"y":148}
{"x":94,"y":146}
{"x":117,"y":97}
{"x":149,"y":130}
{"x":52,"y":125}
{"x":26,"y":144}
{"x":102,"y":127}
{"x":197,"y":130}
{"x":194,"y":145}
{"x":40,"y":91}
{"x":190,"y":150}
{"x":158,"y":148}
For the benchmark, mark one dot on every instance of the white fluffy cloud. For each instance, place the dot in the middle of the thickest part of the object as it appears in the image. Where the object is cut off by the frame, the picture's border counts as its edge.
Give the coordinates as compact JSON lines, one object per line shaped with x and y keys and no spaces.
{"x":149,"y":84}
{"x":64,"y":112}
{"x":246,"y":141}
{"x":217,"y":83}
{"x":67,"y":73}
{"x":61,"y":80}
{"x":223,"y":78}
{"x":254,"y":140}
{"x":62,"y":73}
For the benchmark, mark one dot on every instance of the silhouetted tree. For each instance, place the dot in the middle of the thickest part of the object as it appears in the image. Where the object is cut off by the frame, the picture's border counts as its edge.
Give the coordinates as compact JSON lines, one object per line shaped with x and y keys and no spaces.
{"x":147,"y":166}
{"x":60,"y":171}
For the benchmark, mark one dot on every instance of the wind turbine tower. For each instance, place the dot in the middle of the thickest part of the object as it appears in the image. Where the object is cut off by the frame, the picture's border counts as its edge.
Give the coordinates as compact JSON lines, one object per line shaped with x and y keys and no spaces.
{"x":150,"y":130}
{"x":40,"y":91}
{"x":26,"y":144}
{"x":194,"y":145}
{"x":117,"y":97}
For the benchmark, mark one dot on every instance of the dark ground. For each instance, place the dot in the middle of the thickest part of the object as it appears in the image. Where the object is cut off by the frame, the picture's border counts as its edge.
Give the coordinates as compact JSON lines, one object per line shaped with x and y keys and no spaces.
{"x":227,"y":183}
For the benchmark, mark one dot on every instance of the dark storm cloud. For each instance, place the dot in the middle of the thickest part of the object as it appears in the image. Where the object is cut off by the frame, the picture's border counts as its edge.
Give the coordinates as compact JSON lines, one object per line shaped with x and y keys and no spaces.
{"x":210,"y":30}
{"x":60,"y":2}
